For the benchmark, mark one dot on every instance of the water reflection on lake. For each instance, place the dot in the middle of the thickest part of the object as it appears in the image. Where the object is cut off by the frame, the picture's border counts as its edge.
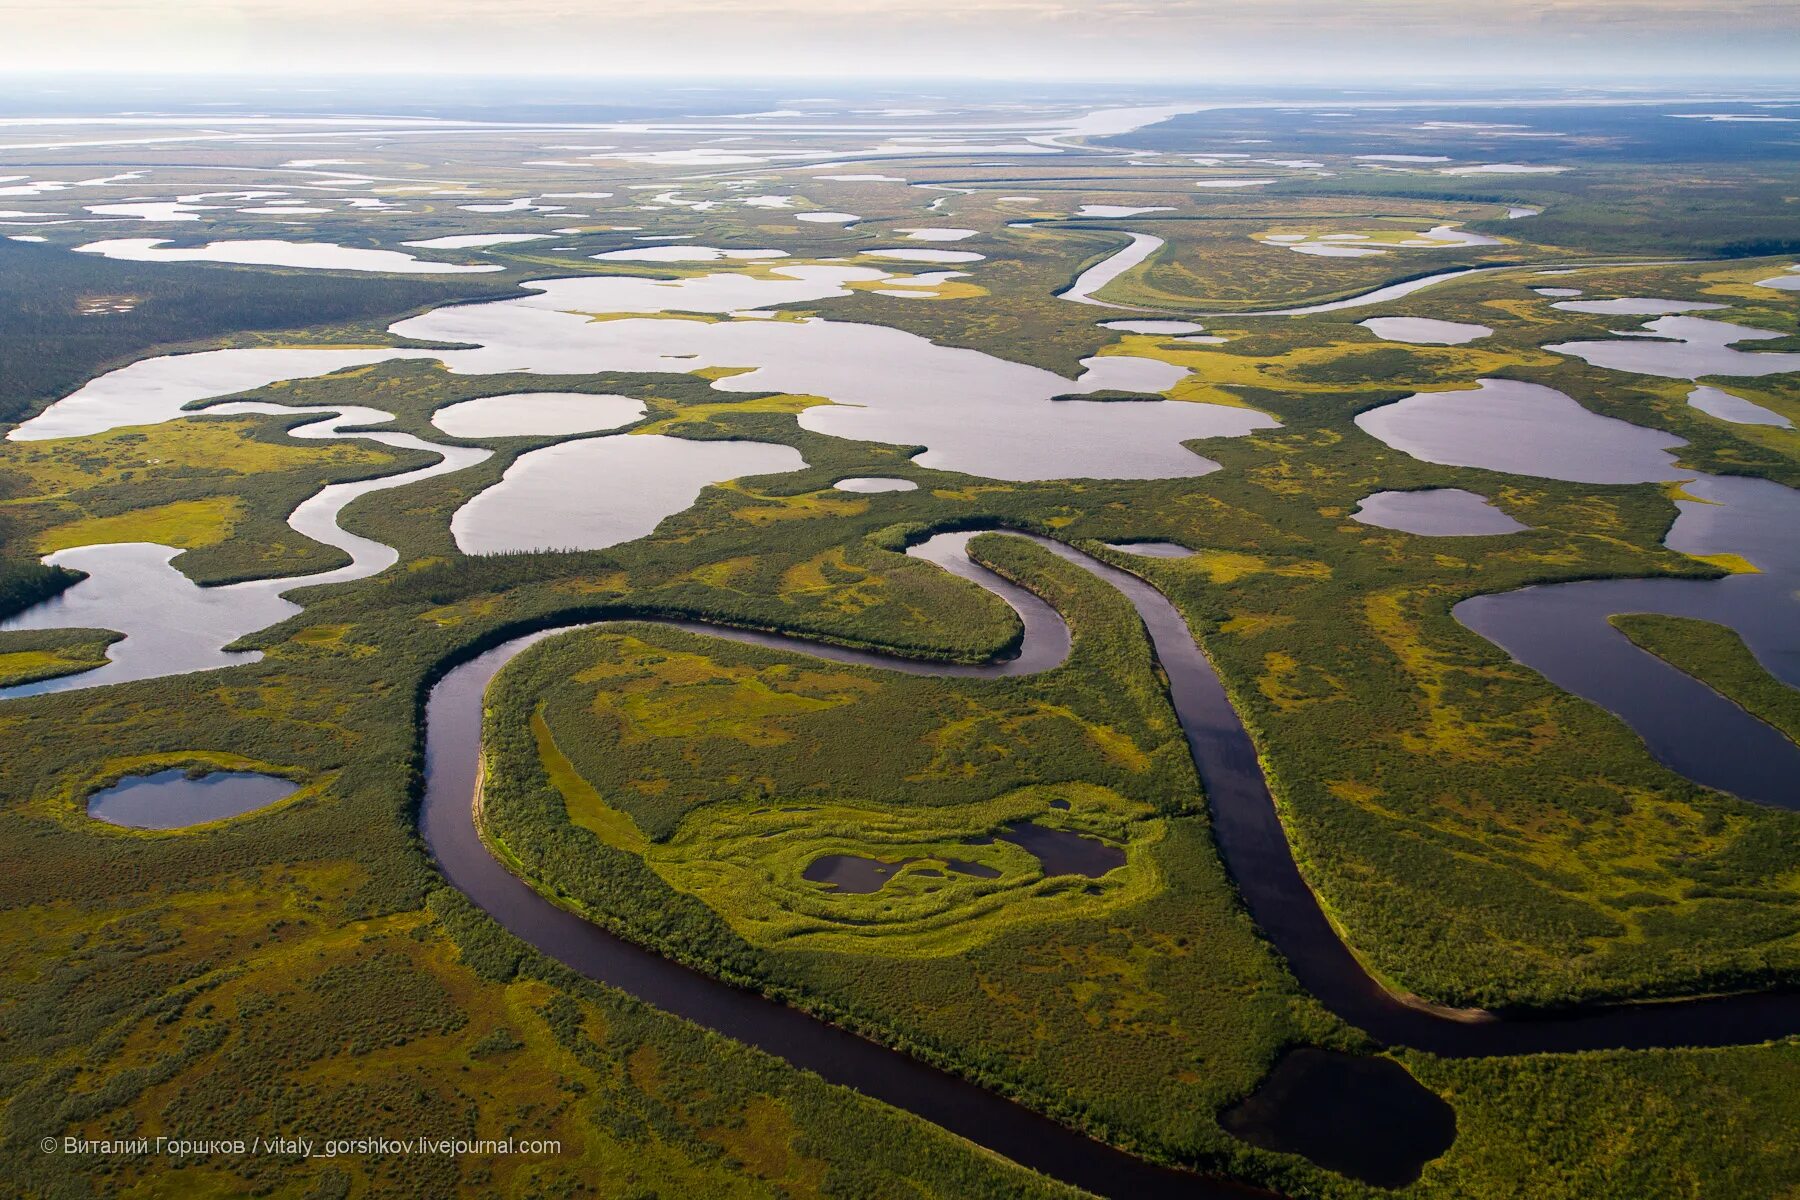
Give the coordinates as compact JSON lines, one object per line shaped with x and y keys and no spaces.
{"x":599,"y":492}
{"x":316,"y":256}
{"x":1424,"y":331}
{"x":540,"y":413}
{"x":1686,"y":348}
{"x":1169,"y":327}
{"x":852,"y":874}
{"x":174,"y":800}
{"x":685,"y":254}
{"x":1090,"y":281}
{"x":1715,"y":402}
{"x":1060,"y":851}
{"x":1434,"y":512}
{"x":974,"y":412}
{"x":1153,"y":549}
{"x":172,"y":624}
{"x":1523,"y":428}
{"x":1562,"y":632}
{"x":1636,"y":306}
{"x":1359,"y":1115}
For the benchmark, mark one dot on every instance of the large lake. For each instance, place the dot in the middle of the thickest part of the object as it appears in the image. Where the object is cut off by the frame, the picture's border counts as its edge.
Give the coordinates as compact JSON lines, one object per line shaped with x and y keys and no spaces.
{"x":972,"y":411}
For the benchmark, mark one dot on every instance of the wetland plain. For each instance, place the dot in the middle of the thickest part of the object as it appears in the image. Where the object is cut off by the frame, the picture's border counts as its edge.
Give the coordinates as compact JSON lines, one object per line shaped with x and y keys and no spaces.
{"x":1131,"y":645}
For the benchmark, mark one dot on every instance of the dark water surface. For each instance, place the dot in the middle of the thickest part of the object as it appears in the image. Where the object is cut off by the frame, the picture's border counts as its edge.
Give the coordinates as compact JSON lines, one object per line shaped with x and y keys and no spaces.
{"x":1060,"y":852}
{"x":1562,"y":632}
{"x":1357,"y":1115}
{"x":852,"y":873}
{"x":858,"y":876}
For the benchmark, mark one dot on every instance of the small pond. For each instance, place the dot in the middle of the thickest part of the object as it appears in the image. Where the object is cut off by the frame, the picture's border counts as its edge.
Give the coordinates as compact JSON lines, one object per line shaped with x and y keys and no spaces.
{"x":1636,"y":306}
{"x":1355,"y":1114}
{"x":1716,"y":402}
{"x":852,"y":874}
{"x":905,"y":254}
{"x":173,"y":799}
{"x":1424,"y":331}
{"x":1171,"y":327}
{"x":1435,"y":512}
{"x":1060,"y":852}
{"x":874,"y":483}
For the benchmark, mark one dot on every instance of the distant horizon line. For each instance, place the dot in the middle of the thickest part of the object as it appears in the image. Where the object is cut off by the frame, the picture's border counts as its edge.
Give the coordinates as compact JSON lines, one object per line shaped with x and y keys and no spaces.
{"x":1549,"y":79}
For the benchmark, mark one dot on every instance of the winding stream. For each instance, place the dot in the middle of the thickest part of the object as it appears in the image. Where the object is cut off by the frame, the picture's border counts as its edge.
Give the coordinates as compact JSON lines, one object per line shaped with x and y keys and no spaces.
{"x":1090,"y":281}
{"x":1105,"y":271}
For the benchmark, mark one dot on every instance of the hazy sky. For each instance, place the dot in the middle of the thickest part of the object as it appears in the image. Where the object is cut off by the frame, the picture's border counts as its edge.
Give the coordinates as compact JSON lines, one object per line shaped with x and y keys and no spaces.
{"x":1191,"y":40}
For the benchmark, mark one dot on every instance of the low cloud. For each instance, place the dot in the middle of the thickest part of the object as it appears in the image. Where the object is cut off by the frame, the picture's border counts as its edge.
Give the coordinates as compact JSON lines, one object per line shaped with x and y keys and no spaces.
{"x":1051,"y":37}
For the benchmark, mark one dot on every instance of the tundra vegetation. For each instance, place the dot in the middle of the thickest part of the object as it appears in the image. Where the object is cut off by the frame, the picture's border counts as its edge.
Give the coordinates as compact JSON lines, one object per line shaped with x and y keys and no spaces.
{"x":1479,"y":836}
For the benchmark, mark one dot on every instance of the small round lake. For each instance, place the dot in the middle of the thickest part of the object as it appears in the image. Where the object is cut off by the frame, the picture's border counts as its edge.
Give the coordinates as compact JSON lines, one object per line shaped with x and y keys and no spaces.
{"x":1435,"y":512}
{"x":933,"y":234}
{"x":906,"y":254}
{"x":686,"y":254}
{"x":1355,"y":1114}
{"x":475,"y":241}
{"x":1120,"y":210}
{"x":173,"y":799}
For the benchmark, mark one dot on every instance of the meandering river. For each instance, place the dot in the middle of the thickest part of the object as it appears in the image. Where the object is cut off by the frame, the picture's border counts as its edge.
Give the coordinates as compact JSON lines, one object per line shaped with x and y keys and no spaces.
{"x":1250,"y":837}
